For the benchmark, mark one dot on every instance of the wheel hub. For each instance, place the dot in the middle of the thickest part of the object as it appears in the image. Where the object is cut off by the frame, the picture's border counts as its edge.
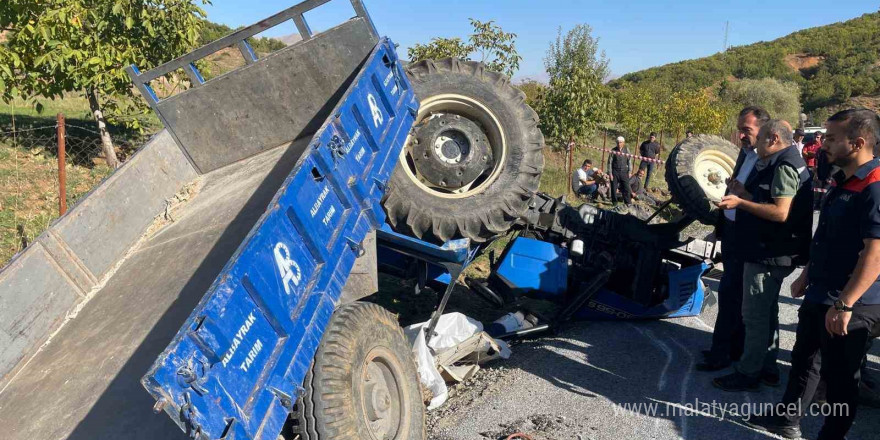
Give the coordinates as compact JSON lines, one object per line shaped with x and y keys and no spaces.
{"x":712,"y":171}
{"x":450,"y":151}
{"x":451,"y":146}
{"x":380,"y":397}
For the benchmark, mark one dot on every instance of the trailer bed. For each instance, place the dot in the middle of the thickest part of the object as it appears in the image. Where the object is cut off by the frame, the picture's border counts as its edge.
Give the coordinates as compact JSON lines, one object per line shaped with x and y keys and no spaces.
{"x":85,"y":384}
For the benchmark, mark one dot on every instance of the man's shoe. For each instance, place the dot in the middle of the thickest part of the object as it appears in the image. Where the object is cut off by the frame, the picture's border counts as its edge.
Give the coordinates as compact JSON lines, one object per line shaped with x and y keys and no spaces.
{"x":710,"y":364}
{"x":737,"y":381}
{"x":771,"y":378}
{"x":775,"y":425}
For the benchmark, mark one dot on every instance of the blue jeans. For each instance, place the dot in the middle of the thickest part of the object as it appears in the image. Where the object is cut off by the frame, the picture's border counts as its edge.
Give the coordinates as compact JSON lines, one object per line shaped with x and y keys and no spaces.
{"x":587,"y":190}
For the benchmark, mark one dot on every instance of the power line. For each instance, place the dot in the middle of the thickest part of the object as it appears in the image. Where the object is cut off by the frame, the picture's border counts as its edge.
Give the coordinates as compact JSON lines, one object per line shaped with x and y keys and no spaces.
{"x":726,"y":34}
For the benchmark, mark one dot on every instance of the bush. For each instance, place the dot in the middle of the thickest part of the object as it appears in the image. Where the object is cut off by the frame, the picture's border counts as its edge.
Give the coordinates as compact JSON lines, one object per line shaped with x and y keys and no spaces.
{"x":780,"y":98}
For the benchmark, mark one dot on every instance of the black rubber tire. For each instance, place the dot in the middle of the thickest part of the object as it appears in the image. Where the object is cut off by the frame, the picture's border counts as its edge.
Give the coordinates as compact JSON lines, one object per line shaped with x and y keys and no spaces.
{"x":414,"y":211}
{"x":332,"y":406}
{"x":680,"y":176}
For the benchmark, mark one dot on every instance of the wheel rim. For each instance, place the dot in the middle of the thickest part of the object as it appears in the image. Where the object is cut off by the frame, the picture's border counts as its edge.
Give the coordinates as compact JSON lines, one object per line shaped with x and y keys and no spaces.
{"x":472,"y":110}
{"x":383,"y":400}
{"x":712,"y":169}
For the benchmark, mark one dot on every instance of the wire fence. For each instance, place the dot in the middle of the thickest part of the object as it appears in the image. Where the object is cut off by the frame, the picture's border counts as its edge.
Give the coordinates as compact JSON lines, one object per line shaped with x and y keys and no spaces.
{"x":36,"y":178}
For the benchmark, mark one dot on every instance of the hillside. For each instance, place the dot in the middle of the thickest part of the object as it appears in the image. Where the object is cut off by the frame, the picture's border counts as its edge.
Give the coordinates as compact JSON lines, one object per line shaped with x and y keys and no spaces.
{"x":832,"y":64}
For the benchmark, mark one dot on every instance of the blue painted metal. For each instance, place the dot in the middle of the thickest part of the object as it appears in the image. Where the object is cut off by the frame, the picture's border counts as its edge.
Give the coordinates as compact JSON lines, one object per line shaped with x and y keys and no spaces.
{"x":535,"y":266}
{"x":240,"y":359}
{"x":397,"y":251}
{"x":686,"y":297}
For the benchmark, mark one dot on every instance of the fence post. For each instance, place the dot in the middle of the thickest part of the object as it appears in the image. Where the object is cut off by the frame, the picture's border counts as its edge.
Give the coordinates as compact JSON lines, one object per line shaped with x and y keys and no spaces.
{"x":62,"y":170}
{"x":570,"y":170}
{"x":604,"y":138}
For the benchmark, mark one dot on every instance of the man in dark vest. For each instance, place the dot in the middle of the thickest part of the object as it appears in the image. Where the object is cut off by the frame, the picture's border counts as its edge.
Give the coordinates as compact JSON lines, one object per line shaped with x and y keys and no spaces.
{"x":619,"y":165}
{"x":728,"y":337}
{"x":774,"y":228}
{"x":841,"y":284}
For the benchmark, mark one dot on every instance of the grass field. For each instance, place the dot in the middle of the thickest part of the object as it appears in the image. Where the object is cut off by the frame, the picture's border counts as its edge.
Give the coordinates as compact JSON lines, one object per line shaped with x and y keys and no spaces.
{"x":29,"y":167}
{"x":556,"y":181}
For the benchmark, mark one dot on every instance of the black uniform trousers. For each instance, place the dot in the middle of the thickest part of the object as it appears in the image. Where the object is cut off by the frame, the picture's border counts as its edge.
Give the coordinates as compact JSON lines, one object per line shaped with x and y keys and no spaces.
{"x":841,"y":359}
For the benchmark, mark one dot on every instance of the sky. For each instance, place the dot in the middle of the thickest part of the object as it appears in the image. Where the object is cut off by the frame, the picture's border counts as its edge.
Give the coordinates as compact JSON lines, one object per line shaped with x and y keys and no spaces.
{"x":635,"y":34}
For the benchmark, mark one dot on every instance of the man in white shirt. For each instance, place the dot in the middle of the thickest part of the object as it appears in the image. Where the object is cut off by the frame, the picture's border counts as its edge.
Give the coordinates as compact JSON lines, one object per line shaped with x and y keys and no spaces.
{"x":582,"y":182}
{"x":799,"y":139}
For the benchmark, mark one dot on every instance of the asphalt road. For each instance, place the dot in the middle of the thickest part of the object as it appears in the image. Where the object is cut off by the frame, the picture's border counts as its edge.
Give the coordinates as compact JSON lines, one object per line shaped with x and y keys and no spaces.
{"x":572,"y":386}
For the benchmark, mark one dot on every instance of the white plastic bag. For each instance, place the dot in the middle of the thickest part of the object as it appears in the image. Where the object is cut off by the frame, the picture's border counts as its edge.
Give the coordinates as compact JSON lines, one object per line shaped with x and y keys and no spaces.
{"x":452,"y":329}
{"x":429,"y":375}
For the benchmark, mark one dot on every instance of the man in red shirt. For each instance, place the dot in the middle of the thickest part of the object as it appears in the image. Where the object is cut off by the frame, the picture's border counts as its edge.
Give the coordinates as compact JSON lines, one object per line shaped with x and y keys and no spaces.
{"x":810,"y":149}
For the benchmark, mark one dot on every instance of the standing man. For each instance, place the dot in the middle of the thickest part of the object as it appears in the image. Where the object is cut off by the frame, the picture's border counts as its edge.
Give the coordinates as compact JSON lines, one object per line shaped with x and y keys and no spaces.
{"x":651,"y":150}
{"x":619,"y":165}
{"x":799,"y":139}
{"x":582,"y":182}
{"x":811,"y":151}
{"x":774,"y":226}
{"x":729,"y":334}
{"x":841,"y":284}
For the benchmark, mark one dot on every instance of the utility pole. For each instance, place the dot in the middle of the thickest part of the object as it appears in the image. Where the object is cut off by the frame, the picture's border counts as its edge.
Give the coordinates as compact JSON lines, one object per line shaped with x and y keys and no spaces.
{"x":726,"y":33}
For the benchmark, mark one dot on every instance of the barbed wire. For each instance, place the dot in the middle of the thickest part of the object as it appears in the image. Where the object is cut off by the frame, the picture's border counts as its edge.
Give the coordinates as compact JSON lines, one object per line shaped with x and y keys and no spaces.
{"x":28,"y":130}
{"x":29,"y":176}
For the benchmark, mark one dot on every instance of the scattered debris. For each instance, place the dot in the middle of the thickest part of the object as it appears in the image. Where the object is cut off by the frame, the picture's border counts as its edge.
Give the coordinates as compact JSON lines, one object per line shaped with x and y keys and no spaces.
{"x":173,"y":204}
{"x":533,"y":427}
{"x":454,"y":353}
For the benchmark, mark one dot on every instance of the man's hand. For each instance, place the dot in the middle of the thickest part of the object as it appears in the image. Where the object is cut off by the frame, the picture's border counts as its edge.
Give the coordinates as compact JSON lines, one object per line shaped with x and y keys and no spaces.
{"x":799,"y":286}
{"x":730,"y":202}
{"x":837,"y":322}
{"x":738,"y":189}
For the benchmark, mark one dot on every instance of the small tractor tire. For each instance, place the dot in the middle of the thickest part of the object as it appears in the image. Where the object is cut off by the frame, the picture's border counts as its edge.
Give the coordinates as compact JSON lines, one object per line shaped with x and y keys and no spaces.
{"x":363,"y":383}
{"x":697,"y":171}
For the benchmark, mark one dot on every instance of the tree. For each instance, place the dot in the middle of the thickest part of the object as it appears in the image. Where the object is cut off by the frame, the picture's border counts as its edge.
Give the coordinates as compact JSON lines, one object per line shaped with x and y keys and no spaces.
{"x":781,"y":99}
{"x":696,"y":110}
{"x":577,"y":99}
{"x":55,"y":47}
{"x":641,"y":106}
{"x":534,"y":90}
{"x":495,"y":48}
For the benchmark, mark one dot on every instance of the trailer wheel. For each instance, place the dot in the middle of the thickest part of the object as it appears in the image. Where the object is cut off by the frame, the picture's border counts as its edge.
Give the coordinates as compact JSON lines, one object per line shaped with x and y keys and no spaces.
{"x":473,"y":160}
{"x":363,"y":382}
{"x":697,"y":171}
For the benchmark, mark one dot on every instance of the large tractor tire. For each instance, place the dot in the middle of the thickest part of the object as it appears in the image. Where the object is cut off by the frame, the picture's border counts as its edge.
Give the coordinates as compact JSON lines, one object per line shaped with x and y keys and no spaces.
{"x":363,"y":383}
{"x":473,"y":160}
{"x":697,"y":171}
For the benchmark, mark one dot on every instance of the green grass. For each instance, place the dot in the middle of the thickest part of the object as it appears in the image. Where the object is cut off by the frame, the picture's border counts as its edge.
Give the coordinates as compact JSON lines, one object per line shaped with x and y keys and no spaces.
{"x":29,"y":166}
{"x":556,"y":181}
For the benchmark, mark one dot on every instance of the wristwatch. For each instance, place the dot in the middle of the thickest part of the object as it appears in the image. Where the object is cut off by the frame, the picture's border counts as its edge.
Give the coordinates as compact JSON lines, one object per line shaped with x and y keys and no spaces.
{"x":840,"y":306}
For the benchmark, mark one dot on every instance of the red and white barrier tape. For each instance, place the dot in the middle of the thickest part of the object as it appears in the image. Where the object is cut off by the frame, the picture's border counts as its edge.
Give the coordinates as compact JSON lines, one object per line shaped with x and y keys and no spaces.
{"x":658,"y":161}
{"x":632,"y":156}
